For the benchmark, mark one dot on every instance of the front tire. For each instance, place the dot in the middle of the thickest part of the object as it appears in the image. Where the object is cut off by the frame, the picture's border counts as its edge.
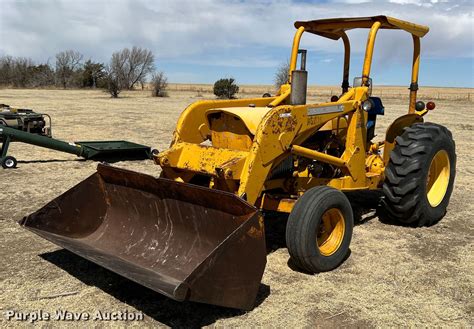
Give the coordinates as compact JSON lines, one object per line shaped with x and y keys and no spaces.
{"x":419,"y":178}
{"x":319,"y":229}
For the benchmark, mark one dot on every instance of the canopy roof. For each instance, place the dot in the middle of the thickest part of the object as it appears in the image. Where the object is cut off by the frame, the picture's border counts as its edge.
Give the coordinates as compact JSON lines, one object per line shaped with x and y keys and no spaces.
{"x":334,"y":28}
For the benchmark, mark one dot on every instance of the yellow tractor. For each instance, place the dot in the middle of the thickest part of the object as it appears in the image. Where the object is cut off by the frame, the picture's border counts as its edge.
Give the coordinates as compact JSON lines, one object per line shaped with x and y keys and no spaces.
{"x":196,"y":232}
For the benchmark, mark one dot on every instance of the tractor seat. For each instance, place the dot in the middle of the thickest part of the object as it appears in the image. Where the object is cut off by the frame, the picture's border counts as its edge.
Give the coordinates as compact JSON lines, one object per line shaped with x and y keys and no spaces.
{"x":377,"y":109}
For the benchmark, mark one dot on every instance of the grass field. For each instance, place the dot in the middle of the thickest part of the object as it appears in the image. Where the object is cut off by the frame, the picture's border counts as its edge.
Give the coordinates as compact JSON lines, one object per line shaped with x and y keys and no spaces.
{"x":395,"y":276}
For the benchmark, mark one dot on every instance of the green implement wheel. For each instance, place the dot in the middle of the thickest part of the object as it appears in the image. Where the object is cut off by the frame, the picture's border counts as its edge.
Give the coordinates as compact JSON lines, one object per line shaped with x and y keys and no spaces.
{"x":8,"y":162}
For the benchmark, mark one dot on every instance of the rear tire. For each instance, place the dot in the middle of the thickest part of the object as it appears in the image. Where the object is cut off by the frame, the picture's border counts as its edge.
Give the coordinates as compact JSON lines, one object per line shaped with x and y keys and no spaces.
{"x":420,"y":175}
{"x":319,"y":229}
{"x":9,"y":162}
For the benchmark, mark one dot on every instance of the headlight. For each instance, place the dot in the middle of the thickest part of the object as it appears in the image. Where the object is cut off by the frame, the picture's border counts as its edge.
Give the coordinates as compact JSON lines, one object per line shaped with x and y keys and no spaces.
{"x":368,"y":105}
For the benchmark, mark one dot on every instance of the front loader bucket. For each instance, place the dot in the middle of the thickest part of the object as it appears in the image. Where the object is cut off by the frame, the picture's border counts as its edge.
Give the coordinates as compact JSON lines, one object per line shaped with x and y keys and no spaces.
{"x":184,"y":241}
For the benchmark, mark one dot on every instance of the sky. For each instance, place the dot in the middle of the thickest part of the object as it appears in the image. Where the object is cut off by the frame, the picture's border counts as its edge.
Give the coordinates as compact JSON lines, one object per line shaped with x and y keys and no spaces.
{"x":201,"y":41}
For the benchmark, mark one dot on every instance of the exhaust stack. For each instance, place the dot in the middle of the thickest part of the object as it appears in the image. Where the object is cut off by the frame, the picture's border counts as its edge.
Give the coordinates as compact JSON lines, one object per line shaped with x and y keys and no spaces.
{"x":299,"y":82}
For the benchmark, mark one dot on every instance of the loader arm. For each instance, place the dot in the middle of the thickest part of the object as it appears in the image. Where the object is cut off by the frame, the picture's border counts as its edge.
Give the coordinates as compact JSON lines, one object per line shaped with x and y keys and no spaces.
{"x":244,"y":171}
{"x":285,"y":126}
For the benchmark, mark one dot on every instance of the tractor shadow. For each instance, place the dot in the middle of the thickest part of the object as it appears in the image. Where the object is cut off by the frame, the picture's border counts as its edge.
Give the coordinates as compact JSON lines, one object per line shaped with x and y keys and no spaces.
{"x":275,"y":228}
{"x":149,"y":302}
{"x":365,"y":205}
{"x":50,"y":161}
{"x":109,"y":159}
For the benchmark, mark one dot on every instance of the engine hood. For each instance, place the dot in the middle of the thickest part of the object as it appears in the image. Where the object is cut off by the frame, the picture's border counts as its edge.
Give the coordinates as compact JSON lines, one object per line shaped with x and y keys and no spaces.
{"x":250,"y":116}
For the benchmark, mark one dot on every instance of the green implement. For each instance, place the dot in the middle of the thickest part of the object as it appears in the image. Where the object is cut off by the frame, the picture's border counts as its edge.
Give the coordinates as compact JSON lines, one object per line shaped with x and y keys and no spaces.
{"x":95,"y":150}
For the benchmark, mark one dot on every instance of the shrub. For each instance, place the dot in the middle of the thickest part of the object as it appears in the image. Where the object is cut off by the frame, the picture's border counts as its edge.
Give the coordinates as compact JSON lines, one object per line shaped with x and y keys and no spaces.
{"x":114,"y":82}
{"x":226,"y":88}
{"x":159,"y":84}
{"x":113,"y":86}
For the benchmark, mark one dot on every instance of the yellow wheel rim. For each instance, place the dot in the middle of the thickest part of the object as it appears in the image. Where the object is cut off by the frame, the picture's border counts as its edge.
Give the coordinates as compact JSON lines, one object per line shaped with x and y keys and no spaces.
{"x":438,"y":178}
{"x":331,"y":232}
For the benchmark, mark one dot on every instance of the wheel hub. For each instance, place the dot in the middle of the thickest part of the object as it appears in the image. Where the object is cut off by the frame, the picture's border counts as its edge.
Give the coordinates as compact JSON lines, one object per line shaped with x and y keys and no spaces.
{"x":9,"y":163}
{"x":438,"y":178}
{"x":331,"y":231}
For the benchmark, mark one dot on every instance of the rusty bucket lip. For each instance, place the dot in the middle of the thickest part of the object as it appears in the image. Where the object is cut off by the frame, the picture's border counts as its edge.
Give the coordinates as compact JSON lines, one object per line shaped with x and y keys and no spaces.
{"x":103,"y":168}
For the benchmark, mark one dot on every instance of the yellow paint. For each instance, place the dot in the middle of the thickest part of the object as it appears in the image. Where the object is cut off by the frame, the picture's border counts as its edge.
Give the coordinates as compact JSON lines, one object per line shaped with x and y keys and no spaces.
{"x":374,"y":164}
{"x":315,"y":155}
{"x":276,"y":204}
{"x":369,"y":51}
{"x":189,"y":123}
{"x":414,"y":72}
{"x":331,"y":232}
{"x":198,"y":158}
{"x":237,"y":143}
{"x":335,"y":125}
{"x":333,"y":27}
{"x":251,"y":116}
{"x":294,"y":51}
{"x":280,"y":99}
{"x":438,"y":178}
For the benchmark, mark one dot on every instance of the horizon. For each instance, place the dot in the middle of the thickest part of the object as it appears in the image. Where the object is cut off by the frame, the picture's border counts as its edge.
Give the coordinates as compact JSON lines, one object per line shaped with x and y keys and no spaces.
{"x":218,"y":39}
{"x":314,"y":85}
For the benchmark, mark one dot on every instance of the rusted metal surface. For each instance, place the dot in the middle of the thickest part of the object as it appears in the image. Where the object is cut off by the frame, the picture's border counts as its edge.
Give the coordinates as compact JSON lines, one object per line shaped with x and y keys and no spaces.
{"x":184,"y":241}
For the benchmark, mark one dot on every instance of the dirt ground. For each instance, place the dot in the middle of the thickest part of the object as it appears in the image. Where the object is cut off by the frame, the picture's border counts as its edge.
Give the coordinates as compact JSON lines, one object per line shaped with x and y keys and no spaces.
{"x":395,"y":276}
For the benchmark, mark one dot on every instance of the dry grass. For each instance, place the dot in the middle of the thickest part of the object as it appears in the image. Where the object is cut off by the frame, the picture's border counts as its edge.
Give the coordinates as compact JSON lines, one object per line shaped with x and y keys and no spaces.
{"x":395,"y":276}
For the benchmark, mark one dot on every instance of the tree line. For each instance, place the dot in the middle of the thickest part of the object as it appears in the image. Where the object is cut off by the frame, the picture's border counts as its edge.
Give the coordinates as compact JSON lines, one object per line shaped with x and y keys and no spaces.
{"x":126,"y":69}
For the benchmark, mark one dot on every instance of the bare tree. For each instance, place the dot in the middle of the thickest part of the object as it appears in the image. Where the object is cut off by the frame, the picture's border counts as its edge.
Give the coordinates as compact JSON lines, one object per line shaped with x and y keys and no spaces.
{"x":133,"y":65}
{"x":281,"y":75}
{"x":7,"y":66}
{"x":21,"y":72}
{"x":159,"y":85}
{"x":67,"y":63}
{"x":41,"y":75}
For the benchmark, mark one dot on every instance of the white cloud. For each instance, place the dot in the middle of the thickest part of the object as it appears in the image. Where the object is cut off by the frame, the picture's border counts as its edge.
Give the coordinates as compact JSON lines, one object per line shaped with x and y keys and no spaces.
{"x":199,"y":31}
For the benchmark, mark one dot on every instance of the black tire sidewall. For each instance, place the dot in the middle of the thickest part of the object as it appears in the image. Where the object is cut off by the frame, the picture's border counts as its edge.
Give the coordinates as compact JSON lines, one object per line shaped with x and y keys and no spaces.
{"x":405,"y":185}
{"x":308,"y":211}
